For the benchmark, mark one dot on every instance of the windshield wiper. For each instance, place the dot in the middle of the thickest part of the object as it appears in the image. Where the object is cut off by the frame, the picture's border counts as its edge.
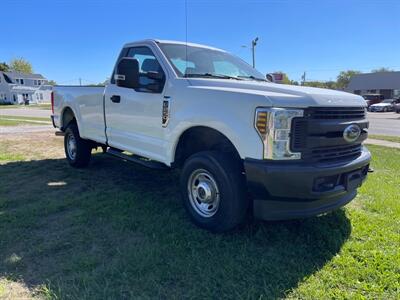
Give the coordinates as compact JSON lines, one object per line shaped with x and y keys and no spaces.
{"x":212,"y":76}
{"x":252,"y":77}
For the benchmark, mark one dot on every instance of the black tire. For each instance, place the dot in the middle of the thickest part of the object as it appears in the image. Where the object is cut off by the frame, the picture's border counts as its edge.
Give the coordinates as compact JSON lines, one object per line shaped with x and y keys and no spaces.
{"x":227,"y":174}
{"x":82,"y":151}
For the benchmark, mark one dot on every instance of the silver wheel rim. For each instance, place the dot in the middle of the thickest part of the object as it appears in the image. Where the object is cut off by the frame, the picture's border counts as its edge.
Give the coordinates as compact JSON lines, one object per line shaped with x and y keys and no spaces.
{"x":203,"y":193}
{"x":71,"y":146}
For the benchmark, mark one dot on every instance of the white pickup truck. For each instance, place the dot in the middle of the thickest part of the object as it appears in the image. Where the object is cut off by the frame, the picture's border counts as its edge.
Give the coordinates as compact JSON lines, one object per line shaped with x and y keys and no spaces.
{"x":243,"y":144}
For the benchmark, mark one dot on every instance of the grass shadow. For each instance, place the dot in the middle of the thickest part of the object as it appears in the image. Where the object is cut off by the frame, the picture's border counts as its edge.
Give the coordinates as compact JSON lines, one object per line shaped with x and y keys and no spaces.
{"x":117,"y":230}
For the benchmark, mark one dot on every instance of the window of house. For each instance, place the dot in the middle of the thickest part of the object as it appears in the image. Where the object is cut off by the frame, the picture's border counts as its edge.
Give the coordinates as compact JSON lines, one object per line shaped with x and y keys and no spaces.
{"x":37,"y":96}
{"x":7,"y":79}
{"x":22,"y":81}
{"x":41,"y":96}
{"x":35,"y":82}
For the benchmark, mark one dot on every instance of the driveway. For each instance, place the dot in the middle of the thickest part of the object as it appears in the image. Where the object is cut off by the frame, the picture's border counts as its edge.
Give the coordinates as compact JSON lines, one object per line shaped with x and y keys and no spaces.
{"x":26,"y":112}
{"x":384,"y":123}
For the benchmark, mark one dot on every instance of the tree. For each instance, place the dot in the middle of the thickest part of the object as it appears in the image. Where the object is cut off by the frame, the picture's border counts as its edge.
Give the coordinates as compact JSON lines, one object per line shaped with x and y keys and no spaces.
{"x":52,"y":82}
{"x":383,"y":69}
{"x":4,"y":67}
{"x":21,"y":65}
{"x":344,"y":77}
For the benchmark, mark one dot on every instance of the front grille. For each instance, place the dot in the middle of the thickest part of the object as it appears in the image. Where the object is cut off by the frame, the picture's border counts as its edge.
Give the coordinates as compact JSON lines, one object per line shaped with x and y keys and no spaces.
{"x":299,"y":134}
{"x":329,"y":154}
{"x":336,"y":113}
{"x":318,"y":136}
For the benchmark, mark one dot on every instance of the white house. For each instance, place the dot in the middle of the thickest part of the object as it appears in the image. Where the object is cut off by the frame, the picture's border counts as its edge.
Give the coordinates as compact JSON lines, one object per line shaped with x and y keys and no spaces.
{"x":17,"y":87}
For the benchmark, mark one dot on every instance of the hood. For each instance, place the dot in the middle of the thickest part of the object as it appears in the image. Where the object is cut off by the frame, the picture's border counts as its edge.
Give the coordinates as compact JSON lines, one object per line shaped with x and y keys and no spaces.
{"x":281,"y":95}
{"x":382,"y":104}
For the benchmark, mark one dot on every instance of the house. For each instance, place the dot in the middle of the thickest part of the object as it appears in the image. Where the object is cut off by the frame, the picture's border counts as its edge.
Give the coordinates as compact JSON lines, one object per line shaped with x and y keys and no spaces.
{"x":17,"y":87}
{"x":384,"y":83}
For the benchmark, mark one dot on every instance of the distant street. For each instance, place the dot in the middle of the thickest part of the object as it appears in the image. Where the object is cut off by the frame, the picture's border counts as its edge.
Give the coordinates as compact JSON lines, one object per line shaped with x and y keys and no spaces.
{"x":384,"y":123}
{"x":26,"y":112}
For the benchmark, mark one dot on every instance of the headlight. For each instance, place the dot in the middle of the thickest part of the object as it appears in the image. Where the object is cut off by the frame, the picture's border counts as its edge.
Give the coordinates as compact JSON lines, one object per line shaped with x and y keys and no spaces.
{"x":273,"y":125}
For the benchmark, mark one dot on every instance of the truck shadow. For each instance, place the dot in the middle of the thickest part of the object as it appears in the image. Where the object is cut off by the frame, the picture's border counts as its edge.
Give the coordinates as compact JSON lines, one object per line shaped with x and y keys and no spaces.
{"x":117,"y":230}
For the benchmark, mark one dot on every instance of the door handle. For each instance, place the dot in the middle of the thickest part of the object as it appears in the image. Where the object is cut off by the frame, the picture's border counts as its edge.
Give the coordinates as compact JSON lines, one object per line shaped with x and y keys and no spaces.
{"x":116,"y":98}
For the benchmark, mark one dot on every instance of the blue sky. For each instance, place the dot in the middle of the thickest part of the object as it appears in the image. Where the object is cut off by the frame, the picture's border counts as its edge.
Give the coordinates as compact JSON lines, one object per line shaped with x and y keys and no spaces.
{"x":66,"y":40}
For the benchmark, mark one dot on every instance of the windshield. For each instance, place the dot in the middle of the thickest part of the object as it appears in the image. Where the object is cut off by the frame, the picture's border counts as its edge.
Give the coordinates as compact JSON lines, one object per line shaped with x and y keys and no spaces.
{"x":387,"y":101}
{"x":204,"y":62}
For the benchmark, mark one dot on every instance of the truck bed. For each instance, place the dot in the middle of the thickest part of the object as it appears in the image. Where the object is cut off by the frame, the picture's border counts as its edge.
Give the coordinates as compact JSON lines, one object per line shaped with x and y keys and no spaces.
{"x":87,"y":104}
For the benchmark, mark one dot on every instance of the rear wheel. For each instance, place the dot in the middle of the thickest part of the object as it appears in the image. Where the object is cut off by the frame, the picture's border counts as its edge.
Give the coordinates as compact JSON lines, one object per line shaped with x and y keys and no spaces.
{"x":213,"y":190}
{"x":77,"y":150}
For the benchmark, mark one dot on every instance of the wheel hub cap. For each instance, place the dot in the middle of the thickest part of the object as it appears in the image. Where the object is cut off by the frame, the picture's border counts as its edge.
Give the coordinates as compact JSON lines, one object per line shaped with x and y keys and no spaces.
{"x":71,"y":146}
{"x":203,"y":193}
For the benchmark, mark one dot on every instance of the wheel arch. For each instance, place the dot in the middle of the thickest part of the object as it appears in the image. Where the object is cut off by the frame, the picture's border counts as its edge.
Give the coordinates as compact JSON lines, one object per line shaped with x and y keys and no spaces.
{"x":201,"y":138}
{"x":67,"y":116}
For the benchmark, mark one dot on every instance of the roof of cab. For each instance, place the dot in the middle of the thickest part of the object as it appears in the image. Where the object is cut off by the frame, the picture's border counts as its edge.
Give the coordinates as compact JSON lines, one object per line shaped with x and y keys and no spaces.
{"x":172,"y":42}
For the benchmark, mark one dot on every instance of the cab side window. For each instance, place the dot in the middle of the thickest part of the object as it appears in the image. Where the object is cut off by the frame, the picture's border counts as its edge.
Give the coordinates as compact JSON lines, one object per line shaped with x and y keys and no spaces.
{"x":147,"y":63}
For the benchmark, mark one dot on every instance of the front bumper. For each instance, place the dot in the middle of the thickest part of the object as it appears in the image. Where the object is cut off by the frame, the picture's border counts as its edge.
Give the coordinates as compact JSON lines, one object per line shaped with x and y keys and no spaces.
{"x":288,"y":190}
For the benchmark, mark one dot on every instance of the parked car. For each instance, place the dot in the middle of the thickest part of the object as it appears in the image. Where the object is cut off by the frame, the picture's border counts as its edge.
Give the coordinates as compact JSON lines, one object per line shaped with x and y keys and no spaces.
{"x":397,"y":106}
{"x":384,"y":106}
{"x":373,"y":99}
{"x":239,"y":141}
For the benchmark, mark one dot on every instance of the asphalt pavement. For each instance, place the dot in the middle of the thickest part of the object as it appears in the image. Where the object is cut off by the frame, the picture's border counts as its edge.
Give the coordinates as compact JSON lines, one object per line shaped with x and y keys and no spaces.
{"x":26,"y":112}
{"x":384,"y":123}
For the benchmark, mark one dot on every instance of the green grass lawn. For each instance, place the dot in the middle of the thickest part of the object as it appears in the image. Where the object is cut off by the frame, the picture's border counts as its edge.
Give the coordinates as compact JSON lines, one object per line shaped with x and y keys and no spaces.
{"x":6,"y":120}
{"x":389,"y":138}
{"x":118,"y":231}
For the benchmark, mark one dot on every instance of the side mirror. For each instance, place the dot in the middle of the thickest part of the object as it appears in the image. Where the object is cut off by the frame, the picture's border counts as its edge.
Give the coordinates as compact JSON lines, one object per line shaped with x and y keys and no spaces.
{"x":275,"y":77}
{"x":270,"y":77}
{"x":127,"y":73}
{"x":155,"y":75}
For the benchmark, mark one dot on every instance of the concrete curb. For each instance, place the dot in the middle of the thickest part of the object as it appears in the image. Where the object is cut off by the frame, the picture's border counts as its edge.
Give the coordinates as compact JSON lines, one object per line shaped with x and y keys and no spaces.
{"x":382,"y":143}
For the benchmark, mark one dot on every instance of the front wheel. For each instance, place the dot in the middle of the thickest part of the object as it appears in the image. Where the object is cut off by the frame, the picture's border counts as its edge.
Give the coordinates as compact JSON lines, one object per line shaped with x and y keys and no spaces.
{"x":77,"y":150}
{"x":213,"y":190}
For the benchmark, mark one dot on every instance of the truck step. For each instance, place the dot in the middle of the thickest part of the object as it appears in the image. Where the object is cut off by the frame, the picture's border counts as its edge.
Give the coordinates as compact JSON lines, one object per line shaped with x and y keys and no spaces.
{"x":137,"y":159}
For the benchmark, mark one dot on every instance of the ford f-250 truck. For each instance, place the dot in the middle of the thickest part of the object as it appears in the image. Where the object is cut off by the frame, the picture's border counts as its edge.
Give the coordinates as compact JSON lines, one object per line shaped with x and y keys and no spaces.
{"x":242,"y":143}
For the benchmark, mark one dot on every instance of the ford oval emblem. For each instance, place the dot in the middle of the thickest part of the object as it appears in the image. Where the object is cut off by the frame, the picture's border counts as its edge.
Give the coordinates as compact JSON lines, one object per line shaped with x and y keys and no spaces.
{"x":351,"y":133}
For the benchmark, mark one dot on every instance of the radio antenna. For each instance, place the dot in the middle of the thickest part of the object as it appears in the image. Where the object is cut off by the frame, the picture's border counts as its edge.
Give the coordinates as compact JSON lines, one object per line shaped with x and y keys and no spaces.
{"x":186,"y":37}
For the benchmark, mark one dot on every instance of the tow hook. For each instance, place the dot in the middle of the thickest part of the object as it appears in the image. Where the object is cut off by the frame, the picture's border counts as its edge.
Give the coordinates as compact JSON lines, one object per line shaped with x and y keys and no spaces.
{"x":371,"y":170}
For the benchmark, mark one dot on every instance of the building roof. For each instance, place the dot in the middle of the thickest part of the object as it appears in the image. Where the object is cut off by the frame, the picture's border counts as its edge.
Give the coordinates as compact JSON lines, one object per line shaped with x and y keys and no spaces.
{"x":14,"y":74}
{"x":375,"y":81}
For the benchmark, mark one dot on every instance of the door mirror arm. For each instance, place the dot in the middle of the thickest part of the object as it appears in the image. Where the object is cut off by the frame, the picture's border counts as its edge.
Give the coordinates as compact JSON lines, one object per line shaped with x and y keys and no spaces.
{"x":155,"y":75}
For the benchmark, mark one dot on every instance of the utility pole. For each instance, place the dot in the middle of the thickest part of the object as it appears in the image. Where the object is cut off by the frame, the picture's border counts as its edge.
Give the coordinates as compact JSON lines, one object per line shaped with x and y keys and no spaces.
{"x":253,"y":50}
{"x":303,"y":78}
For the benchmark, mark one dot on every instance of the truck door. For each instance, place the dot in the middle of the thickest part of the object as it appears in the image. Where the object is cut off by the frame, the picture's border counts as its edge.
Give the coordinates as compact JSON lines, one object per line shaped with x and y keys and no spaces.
{"x":134,"y":116}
